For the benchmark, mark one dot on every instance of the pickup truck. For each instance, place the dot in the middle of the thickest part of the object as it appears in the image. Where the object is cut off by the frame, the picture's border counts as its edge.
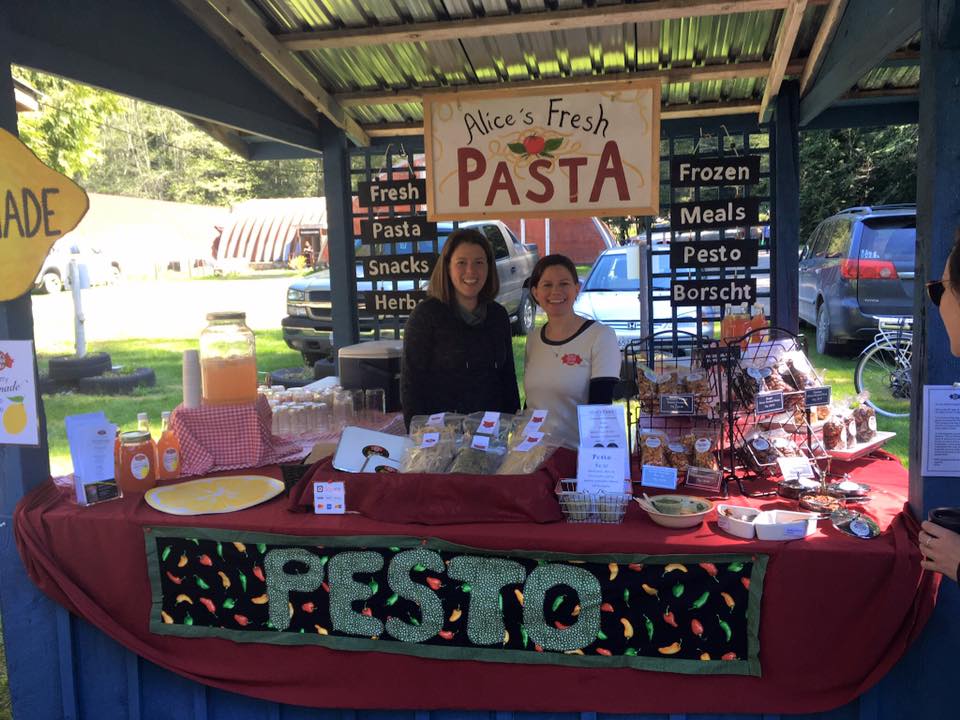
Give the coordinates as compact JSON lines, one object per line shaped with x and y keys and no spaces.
{"x":308,"y":327}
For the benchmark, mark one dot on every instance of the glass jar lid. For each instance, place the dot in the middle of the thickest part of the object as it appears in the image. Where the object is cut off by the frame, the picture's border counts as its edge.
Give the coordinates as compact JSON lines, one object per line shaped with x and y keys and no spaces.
{"x":226,"y":317}
{"x":134,"y":437}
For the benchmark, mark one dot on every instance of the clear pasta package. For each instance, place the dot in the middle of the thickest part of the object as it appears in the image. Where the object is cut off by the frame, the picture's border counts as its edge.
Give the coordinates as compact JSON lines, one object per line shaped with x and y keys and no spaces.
{"x":479,"y":454}
{"x":494,"y":424}
{"x":449,"y":425}
{"x":431,"y":453}
{"x":526,"y":453}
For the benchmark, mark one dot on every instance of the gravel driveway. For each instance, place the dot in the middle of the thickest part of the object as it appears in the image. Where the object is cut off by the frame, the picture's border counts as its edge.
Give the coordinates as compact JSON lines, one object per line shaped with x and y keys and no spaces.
{"x":156,"y":309}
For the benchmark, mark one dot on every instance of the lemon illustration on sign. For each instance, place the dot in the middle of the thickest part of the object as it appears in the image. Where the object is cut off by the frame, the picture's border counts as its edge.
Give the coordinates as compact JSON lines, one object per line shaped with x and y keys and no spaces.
{"x":39,"y":207}
{"x":15,"y":416}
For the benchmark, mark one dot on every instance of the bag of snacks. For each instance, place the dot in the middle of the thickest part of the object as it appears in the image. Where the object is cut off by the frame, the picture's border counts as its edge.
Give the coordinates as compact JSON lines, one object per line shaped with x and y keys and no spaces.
{"x":653,"y":451}
{"x":703,"y":454}
{"x":865,"y":420}
{"x":698,"y":384}
{"x":481,"y":455}
{"x":835,"y":433}
{"x":526,"y":453}
{"x":431,"y":453}
{"x":646,"y":386}
{"x":678,"y":458}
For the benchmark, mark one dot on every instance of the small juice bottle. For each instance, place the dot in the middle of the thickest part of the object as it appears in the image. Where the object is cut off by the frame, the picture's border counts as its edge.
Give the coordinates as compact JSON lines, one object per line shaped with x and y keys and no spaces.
{"x":137,"y":472}
{"x":757,"y":322}
{"x":168,"y":451}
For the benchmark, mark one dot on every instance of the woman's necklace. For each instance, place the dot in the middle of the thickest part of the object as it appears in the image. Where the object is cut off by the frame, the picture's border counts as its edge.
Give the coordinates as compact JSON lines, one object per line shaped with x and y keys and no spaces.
{"x":565,"y":335}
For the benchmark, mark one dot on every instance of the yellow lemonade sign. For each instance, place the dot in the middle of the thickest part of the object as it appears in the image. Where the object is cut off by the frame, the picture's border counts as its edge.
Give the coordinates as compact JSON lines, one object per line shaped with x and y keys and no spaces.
{"x":39,"y":206}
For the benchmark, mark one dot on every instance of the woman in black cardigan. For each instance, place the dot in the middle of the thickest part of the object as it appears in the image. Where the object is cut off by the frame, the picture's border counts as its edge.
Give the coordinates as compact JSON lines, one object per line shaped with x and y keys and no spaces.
{"x":457,"y":348}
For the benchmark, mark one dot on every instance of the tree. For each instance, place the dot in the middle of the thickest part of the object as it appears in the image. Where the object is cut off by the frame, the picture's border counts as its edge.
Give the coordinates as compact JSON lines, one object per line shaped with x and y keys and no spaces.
{"x":844,"y":168}
{"x":66,"y":133}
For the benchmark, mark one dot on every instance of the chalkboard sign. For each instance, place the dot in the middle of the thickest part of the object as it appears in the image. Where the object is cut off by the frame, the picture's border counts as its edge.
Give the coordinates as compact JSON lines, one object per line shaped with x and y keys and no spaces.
{"x":770,"y":402}
{"x":713,"y":253}
{"x":399,"y":267}
{"x":676,"y":404}
{"x":735,"y":291}
{"x":715,"y":214}
{"x":689,"y":171}
{"x":393,"y":302}
{"x":816,"y":396}
{"x":376,"y":193}
{"x":410,"y":228}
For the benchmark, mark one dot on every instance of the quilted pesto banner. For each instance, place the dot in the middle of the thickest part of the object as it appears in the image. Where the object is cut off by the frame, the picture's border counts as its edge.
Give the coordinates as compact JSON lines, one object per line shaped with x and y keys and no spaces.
{"x":688,"y":614}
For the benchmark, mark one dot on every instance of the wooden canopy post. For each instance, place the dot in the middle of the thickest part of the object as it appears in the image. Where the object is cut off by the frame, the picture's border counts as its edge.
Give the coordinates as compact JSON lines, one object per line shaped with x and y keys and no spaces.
{"x":786,"y":205}
{"x":29,"y":618}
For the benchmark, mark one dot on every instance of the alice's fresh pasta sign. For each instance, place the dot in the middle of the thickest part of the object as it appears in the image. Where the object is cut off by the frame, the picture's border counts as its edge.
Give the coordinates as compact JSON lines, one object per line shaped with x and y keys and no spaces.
{"x":561,"y":152}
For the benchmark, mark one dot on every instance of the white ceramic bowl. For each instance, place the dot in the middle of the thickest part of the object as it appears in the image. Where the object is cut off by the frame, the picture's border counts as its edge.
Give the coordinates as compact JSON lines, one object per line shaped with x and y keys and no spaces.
{"x":691,"y":510}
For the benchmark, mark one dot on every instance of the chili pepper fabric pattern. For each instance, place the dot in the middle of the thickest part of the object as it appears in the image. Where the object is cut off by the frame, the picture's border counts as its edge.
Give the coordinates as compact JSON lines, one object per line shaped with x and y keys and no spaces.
{"x":681,"y":614}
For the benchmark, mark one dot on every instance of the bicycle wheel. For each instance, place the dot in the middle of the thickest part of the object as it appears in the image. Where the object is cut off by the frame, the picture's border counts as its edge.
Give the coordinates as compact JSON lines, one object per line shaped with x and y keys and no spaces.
{"x":884,"y":371}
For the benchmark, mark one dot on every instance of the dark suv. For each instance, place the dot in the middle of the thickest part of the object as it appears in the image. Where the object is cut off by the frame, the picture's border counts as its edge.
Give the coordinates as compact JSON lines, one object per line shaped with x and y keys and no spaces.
{"x":857,"y":266}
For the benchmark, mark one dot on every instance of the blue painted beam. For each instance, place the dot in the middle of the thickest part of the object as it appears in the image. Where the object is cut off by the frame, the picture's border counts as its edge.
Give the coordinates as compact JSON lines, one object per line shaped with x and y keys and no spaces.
{"x":785,"y":258}
{"x":692,"y":126}
{"x":29,"y":626}
{"x":924,"y":683}
{"x":868,"y":32}
{"x":867,"y":114}
{"x":152,"y":51}
{"x":343,"y":285}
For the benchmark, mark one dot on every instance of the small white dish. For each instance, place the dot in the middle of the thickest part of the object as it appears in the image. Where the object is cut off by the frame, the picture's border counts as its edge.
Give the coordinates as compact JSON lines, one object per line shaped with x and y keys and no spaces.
{"x":737,"y":520}
{"x":785,"y":524}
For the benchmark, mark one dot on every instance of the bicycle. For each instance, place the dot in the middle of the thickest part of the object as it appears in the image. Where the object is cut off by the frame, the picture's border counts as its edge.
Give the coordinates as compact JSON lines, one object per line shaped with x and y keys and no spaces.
{"x":884,"y":367}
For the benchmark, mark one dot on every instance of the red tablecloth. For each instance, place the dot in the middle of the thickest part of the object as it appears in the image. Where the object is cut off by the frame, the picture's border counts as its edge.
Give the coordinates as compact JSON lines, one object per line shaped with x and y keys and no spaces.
{"x":837,"y":612}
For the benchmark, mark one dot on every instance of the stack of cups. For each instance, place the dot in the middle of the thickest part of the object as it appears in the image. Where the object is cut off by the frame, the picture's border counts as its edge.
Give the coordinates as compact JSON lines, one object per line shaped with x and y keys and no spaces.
{"x":192,"y":384}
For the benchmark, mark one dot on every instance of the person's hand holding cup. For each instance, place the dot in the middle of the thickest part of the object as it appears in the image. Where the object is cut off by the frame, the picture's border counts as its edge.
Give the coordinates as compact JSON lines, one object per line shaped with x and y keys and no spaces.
{"x":940,"y":542}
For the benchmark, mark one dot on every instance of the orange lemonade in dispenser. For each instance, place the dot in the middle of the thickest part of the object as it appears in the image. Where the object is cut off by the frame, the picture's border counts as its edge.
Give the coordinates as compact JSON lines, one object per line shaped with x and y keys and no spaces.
{"x":228,"y":360}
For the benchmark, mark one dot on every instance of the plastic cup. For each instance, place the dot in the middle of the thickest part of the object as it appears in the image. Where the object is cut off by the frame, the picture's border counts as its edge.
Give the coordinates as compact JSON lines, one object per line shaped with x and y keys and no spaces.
{"x":375,"y":402}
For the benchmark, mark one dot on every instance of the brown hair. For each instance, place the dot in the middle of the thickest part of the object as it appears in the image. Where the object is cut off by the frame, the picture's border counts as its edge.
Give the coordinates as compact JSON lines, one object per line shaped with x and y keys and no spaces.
{"x":440,"y":285}
{"x":547,"y":262}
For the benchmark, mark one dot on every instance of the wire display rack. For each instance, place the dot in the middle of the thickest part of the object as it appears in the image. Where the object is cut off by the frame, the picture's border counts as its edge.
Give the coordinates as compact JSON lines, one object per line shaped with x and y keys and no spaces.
{"x":676,"y":399}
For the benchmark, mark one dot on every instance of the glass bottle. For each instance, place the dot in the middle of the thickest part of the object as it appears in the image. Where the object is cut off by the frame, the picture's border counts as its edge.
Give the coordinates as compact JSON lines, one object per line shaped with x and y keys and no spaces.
{"x":138,"y":462}
{"x":168,"y":451}
{"x":228,"y":360}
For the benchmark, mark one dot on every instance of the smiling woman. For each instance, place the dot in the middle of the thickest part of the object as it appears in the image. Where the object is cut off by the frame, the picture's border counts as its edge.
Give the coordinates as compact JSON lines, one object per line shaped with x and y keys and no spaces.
{"x":571,"y":361}
{"x":457,"y":351}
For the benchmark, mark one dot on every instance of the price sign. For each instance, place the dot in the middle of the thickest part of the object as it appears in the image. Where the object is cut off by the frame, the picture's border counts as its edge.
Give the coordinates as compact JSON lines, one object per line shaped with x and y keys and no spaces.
{"x":816,"y":396}
{"x":769,"y":402}
{"x":676,"y":404}
{"x":656,"y":476}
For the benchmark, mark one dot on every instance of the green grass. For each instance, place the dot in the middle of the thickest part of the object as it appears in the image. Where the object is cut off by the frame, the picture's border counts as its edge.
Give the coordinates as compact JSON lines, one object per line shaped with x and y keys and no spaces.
{"x":839,"y":375}
{"x":165,"y":358}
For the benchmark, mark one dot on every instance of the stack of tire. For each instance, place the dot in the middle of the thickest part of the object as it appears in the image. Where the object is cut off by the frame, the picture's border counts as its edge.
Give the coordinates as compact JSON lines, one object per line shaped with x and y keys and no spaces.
{"x":92,"y":374}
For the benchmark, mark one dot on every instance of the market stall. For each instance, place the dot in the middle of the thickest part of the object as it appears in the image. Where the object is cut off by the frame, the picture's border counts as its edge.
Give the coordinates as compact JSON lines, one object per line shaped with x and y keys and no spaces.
{"x":812,"y":623}
{"x":823,"y":618}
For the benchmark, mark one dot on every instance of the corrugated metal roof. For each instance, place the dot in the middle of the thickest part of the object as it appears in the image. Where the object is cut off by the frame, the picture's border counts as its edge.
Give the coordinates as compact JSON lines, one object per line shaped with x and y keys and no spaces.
{"x":614,"y":48}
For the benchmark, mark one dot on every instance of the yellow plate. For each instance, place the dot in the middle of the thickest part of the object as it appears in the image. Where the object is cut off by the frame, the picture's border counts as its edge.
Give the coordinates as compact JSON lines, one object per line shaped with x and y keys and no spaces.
{"x":213,"y":495}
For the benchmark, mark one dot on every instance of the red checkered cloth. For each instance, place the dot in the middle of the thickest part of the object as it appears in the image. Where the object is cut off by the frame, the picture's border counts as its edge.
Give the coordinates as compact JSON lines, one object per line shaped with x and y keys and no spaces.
{"x":228,"y":437}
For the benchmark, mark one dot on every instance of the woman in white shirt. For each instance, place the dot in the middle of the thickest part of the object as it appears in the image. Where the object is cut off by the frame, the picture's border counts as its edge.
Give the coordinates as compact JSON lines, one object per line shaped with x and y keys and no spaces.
{"x":570,"y":361}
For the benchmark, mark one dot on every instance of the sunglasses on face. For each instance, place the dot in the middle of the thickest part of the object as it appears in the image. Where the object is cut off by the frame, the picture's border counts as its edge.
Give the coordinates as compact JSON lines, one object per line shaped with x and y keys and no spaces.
{"x":935,"y":290}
